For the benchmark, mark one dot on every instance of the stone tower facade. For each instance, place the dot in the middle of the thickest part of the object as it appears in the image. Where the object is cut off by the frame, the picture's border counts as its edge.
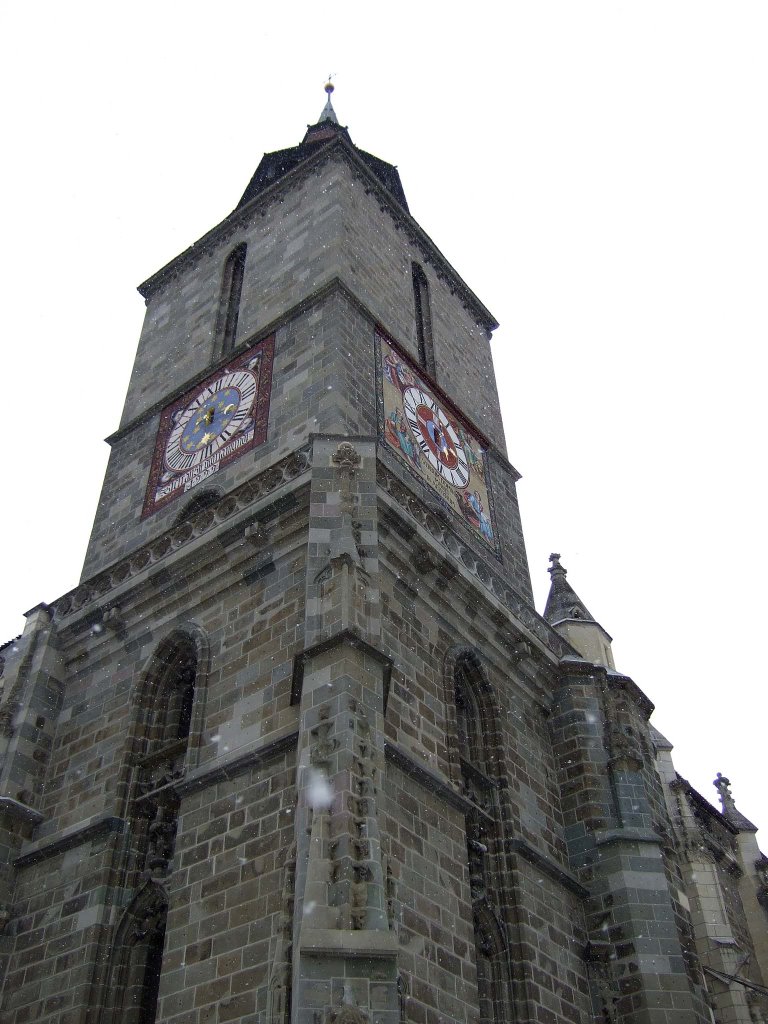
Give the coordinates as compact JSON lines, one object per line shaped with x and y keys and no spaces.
{"x":298,"y":749}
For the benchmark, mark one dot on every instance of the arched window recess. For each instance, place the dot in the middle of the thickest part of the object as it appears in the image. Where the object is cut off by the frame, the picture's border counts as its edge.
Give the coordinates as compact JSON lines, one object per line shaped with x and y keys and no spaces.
{"x":478,"y":752}
{"x":229,"y":300}
{"x":423,"y":314}
{"x":494,"y":970}
{"x":165,"y":708}
{"x":476,"y":733}
{"x":133,"y":976}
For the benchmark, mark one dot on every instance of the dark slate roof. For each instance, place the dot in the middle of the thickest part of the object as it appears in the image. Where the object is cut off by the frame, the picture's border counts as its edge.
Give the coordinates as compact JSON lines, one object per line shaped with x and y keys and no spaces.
{"x":563,"y":602}
{"x":274,"y":165}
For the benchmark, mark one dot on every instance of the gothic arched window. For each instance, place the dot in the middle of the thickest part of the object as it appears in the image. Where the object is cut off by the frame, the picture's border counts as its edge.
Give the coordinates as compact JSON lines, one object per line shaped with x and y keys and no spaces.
{"x":423,"y":312}
{"x":229,"y":302}
{"x":165,"y":700}
{"x":476,"y":734}
{"x":164,"y":708}
{"x":137,"y":958}
{"x":493,"y":973}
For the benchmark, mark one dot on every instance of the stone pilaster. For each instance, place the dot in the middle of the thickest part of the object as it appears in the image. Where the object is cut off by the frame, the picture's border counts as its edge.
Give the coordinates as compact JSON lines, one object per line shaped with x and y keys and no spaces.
{"x":634,"y":955}
{"x":33,"y":678}
{"x":344,"y":962}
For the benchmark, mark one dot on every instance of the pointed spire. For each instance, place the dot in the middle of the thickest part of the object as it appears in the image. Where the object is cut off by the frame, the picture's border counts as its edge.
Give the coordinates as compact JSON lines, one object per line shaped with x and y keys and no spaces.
{"x":563,"y":601}
{"x":730,"y":812}
{"x":568,"y":614}
{"x":327,"y":126}
{"x":328,"y":114}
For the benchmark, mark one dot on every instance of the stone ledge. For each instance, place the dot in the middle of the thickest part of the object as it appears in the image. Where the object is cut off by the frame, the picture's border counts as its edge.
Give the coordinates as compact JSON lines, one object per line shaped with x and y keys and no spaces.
{"x":348,"y":942}
{"x":343,"y":637}
{"x":430,"y":780}
{"x":16,"y":809}
{"x":220,"y":771}
{"x":258,"y":499}
{"x":400,"y":497}
{"x":549,"y":867}
{"x":626,"y":835}
{"x":75,"y":835}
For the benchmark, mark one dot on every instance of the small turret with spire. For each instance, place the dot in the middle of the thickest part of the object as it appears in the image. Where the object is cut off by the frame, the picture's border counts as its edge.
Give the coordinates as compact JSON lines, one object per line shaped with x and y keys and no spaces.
{"x":567,"y":613}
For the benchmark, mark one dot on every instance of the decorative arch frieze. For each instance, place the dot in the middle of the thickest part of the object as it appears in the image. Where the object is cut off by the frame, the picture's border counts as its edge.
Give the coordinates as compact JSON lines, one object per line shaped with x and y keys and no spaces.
{"x":204,"y":500}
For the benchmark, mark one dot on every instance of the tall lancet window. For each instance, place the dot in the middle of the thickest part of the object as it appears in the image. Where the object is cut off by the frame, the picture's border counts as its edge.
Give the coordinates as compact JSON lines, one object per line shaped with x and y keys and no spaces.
{"x":423,"y":320}
{"x":475,"y":717}
{"x":229,"y":303}
{"x":164,"y":716}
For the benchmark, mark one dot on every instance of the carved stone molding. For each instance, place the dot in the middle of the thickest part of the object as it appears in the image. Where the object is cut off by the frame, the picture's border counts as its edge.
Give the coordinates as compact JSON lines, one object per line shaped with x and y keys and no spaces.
{"x":490,"y":579}
{"x":346,"y":456}
{"x":177,"y":536}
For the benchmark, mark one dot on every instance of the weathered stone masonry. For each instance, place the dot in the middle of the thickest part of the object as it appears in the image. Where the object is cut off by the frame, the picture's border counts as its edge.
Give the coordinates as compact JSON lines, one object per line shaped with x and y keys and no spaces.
{"x":298,"y":749}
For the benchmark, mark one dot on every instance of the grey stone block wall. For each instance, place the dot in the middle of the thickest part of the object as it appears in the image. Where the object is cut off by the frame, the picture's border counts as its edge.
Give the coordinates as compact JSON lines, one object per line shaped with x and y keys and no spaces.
{"x":331,"y":603}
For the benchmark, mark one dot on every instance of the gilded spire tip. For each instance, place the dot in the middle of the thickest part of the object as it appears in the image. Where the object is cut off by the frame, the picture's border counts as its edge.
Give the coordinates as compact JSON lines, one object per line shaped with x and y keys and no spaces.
{"x":328,"y":114}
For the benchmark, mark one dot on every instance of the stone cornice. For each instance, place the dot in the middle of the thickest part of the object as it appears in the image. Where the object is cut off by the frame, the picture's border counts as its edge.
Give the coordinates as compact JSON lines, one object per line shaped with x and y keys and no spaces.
{"x":618,"y":681}
{"x":336,"y":147}
{"x":612,"y":680}
{"x":221,"y":771}
{"x":508,"y":603}
{"x":606,"y":837}
{"x":100,"y":591}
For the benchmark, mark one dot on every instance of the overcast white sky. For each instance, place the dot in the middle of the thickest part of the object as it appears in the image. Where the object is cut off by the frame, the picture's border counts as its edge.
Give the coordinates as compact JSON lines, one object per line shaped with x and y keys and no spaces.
{"x":596,"y":171}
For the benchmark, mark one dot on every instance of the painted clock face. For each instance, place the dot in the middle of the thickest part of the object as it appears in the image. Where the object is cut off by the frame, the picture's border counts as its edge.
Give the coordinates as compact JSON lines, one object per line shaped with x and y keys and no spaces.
{"x":221,"y":409}
{"x":217,"y":421}
{"x":436,"y":437}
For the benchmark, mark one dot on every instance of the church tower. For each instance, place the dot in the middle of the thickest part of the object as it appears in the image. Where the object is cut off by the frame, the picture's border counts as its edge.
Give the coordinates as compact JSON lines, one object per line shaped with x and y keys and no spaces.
{"x":298,"y":749}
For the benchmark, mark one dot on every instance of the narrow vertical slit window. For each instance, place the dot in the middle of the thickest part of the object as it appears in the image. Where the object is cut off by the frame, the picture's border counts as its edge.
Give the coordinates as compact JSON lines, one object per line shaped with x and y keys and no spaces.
{"x":229,"y":304}
{"x":423,"y":320}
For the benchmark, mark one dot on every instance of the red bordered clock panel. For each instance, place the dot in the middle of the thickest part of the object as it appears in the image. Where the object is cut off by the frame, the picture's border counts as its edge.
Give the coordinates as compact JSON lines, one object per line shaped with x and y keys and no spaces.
{"x":424,"y":431}
{"x":214,"y":423}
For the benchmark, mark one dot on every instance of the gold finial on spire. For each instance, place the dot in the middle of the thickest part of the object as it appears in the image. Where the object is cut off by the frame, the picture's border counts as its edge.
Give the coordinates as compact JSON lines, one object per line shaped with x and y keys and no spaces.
{"x":328,"y":114}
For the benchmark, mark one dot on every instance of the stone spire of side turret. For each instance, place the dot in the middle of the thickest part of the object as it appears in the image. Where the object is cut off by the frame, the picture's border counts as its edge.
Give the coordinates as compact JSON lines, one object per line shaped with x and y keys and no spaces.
{"x":563,"y":601}
{"x":730,"y":812}
{"x":568,"y":614}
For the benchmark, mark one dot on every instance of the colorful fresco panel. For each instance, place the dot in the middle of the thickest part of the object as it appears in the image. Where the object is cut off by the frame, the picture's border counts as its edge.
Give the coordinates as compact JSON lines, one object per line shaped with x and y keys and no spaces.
{"x":424,"y":431}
